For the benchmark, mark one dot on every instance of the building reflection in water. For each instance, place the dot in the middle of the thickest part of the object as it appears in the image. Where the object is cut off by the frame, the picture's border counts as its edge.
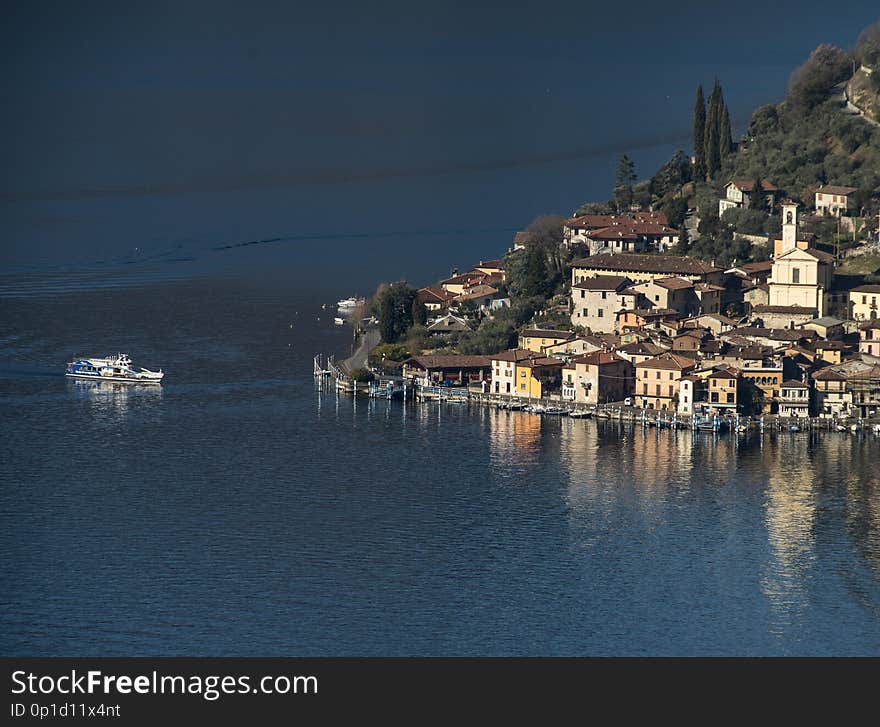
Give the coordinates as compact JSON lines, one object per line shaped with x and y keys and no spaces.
{"x":514,"y":441}
{"x":790,"y":511}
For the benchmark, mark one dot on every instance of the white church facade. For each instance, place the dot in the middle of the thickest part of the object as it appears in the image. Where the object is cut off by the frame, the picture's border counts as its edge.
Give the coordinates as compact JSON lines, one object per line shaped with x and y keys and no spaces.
{"x":800,"y":279}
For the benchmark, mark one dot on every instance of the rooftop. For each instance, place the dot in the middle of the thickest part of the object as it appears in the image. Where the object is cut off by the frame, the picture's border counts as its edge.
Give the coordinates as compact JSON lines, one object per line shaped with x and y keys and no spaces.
{"x":546,"y":333}
{"x":598,"y":358}
{"x":667,"y":361}
{"x":603,"y":282}
{"x":671,"y":264}
{"x":748,"y":185}
{"x":832,"y":189}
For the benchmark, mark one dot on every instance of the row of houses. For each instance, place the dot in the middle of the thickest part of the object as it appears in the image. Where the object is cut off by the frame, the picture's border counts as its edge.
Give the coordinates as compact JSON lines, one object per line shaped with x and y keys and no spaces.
{"x":610,"y":291}
{"x":632,"y":232}
{"x":479,"y":286}
{"x":749,"y":370}
{"x":832,"y":200}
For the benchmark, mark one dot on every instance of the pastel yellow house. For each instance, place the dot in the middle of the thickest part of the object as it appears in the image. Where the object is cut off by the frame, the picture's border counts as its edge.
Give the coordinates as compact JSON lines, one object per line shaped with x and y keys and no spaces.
{"x":864,"y":302}
{"x":538,"y":339}
{"x":538,"y":376}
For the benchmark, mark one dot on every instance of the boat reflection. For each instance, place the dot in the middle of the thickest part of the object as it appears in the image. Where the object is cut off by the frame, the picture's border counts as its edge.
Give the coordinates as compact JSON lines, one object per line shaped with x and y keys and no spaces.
{"x":113,"y":400}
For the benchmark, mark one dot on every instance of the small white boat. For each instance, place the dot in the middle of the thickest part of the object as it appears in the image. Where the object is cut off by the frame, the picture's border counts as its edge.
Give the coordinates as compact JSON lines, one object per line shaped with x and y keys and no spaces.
{"x":112,"y":368}
{"x":339,"y":321}
{"x":350,"y":302}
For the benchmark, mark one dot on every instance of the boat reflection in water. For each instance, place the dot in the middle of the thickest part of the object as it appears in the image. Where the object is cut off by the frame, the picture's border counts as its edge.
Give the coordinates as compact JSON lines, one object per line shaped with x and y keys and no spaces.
{"x":112,"y":399}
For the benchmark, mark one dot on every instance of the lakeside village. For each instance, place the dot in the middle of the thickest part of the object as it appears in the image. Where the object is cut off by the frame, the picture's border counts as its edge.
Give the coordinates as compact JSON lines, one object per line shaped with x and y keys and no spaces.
{"x":738,"y":287}
{"x":646,"y":339}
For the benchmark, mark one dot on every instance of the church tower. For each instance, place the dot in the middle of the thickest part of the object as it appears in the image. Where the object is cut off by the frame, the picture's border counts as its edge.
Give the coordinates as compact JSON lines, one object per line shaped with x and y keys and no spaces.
{"x":789,"y":226}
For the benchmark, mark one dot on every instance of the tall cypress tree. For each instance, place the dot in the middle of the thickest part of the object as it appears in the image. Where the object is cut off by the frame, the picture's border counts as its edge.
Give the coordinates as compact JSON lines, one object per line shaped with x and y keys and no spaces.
{"x":726,"y":140}
{"x":700,"y":136}
{"x":713,"y":124}
{"x":758,"y":201}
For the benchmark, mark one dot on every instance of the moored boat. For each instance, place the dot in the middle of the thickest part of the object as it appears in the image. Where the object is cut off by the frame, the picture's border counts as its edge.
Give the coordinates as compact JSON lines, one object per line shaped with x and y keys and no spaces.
{"x":350,"y":302}
{"x":112,"y":368}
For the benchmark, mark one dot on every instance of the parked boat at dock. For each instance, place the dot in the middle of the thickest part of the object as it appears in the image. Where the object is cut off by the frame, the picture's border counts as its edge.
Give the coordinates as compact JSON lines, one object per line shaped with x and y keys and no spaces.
{"x":350,"y":303}
{"x":112,"y":368}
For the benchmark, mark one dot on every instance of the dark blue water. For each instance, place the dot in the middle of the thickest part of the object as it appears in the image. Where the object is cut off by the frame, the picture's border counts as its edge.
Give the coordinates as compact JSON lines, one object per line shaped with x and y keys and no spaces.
{"x":189,"y":184}
{"x":238,"y":510}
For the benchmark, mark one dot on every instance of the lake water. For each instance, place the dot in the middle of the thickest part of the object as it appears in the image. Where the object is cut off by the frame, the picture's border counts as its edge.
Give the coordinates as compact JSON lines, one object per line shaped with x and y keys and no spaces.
{"x":238,"y":510}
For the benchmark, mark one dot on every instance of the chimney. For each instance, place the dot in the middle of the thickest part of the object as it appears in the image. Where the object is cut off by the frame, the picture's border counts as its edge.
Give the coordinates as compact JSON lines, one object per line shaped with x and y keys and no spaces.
{"x":454,"y":272}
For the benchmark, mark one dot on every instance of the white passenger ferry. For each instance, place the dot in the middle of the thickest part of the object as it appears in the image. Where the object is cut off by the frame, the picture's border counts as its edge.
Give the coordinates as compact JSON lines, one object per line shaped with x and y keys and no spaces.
{"x":348,"y":303}
{"x":112,"y":368}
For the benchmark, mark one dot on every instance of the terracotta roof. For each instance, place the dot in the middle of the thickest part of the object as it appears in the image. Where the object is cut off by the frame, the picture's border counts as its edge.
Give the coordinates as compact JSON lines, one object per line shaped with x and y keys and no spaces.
{"x":674,"y":283}
{"x":433,"y":295}
{"x":754,"y":353}
{"x":759,"y":267}
{"x":723,"y":374}
{"x":748,"y":185}
{"x":832,"y":189}
{"x":598,"y":358}
{"x":870,"y":325}
{"x":670,"y":361}
{"x":546,"y":333}
{"x":866,"y":289}
{"x":477,"y":291}
{"x":465,"y":278}
{"x":820,"y":255}
{"x":514,"y":354}
{"x":491,"y":264}
{"x":629,"y":219}
{"x":670,"y":264}
{"x":540,"y":361}
{"x":828,"y":374}
{"x":604,"y":282}
{"x":708,"y":287}
{"x":613,"y":233}
{"x":449,"y":361}
{"x":793,"y":309}
{"x":792,"y":384}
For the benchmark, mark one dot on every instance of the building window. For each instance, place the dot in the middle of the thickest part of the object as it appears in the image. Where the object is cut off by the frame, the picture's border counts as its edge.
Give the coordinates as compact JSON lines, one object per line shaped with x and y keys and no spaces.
{"x":600,"y":313}
{"x":604,"y":295}
{"x":795,"y":275}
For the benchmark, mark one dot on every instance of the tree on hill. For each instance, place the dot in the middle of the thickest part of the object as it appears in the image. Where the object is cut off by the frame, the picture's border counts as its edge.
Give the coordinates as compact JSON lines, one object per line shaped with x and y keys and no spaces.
{"x":713,"y":131}
{"x":419,"y":313}
{"x":594,"y":208}
{"x":868,"y":47}
{"x":672,"y":175}
{"x":623,"y":183}
{"x":394,"y":309}
{"x":700,"y":135}
{"x":725,"y":137}
{"x":675,"y":209}
{"x":546,"y":234}
{"x":811,"y":84}
{"x":527,"y":273}
{"x":758,"y":200}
